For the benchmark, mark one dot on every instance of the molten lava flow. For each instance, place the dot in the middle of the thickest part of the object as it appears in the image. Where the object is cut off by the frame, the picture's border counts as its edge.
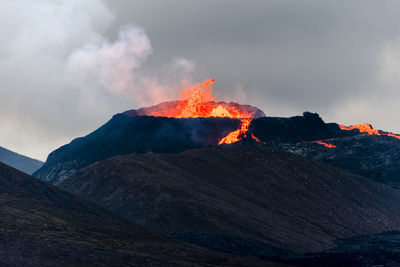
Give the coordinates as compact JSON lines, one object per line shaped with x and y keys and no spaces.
{"x":256,"y":139}
{"x":198,"y":101}
{"x":367,"y":128}
{"x":393,"y":135}
{"x":237,"y":135}
{"x":325,"y":144}
{"x":362,"y":127}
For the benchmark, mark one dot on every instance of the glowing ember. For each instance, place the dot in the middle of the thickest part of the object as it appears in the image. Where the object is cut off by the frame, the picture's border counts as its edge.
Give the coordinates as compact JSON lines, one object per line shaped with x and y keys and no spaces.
{"x":367,"y":128}
{"x":198,"y":101}
{"x":325,"y":144}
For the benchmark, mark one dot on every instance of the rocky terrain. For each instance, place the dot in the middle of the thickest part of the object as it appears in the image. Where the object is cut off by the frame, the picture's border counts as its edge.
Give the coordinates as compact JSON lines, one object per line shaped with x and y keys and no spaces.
{"x":248,"y":200}
{"x":375,"y":157}
{"x":20,"y":162}
{"x":41,"y":225}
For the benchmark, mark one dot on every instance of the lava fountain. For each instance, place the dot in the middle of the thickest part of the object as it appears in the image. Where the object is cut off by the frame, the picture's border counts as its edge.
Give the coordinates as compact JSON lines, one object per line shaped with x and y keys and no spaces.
{"x":199,"y":102}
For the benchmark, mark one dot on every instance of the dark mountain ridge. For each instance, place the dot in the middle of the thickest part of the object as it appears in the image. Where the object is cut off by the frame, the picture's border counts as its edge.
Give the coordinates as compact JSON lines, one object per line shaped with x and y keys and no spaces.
{"x":18,"y":161}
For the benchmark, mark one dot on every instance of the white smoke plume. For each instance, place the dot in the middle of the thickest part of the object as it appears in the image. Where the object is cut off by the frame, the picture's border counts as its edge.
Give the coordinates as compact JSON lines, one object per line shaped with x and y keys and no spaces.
{"x":60,"y":77}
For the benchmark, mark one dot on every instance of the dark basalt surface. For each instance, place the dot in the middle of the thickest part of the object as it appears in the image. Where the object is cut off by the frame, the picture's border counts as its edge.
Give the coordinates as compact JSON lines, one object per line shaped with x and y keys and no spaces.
{"x":375,"y":157}
{"x":372,"y":156}
{"x":41,"y":225}
{"x":309,"y":127}
{"x":214,"y":196}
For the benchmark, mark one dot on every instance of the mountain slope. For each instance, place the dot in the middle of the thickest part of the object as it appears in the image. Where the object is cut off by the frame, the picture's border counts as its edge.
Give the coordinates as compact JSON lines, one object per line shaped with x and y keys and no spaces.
{"x":20,"y":162}
{"x":240,"y":192}
{"x":41,"y":225}
{"x":125,"y":134}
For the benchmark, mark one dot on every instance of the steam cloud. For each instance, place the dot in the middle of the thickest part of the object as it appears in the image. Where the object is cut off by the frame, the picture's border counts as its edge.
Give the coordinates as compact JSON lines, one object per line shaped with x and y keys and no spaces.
{"x":60,"y":76}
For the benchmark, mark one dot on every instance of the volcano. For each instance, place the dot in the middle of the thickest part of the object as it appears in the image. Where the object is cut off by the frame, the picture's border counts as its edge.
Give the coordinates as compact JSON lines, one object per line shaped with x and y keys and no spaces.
{"x":196,"y":120}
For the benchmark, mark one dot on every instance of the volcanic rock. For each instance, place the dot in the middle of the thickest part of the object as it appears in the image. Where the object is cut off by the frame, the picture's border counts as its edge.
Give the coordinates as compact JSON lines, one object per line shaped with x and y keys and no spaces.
{"x":309,"y":127}
{"x":373,"y":156}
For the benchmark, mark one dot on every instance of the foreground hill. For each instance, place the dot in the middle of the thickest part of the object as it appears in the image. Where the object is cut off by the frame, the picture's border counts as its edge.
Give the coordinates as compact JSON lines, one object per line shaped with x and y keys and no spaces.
{"x":249,"y":200}
{"x":20,"y":162}
{"x":41,"y":225}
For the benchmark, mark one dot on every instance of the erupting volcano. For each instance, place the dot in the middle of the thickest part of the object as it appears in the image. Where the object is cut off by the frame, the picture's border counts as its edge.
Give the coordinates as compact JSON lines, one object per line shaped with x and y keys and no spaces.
{"x":199,"y":102}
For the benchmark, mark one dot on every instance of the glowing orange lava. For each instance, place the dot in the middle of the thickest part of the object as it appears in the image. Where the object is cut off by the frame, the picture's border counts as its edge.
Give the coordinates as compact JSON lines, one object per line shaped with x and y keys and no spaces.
{"x":199,"y":102}
{"x":325,"y":144}
{"x":362,"y":127}
{"x":367,"y":128}
{"x":237,"y":135}
{"x":393,"y":135}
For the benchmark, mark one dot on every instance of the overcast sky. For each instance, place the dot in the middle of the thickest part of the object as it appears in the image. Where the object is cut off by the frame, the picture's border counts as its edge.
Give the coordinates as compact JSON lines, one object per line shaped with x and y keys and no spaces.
{"x":67,"y":66}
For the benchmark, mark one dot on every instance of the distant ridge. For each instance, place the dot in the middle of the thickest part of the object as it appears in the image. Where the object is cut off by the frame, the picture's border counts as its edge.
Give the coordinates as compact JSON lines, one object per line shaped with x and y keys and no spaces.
{"x":18,"y":161}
